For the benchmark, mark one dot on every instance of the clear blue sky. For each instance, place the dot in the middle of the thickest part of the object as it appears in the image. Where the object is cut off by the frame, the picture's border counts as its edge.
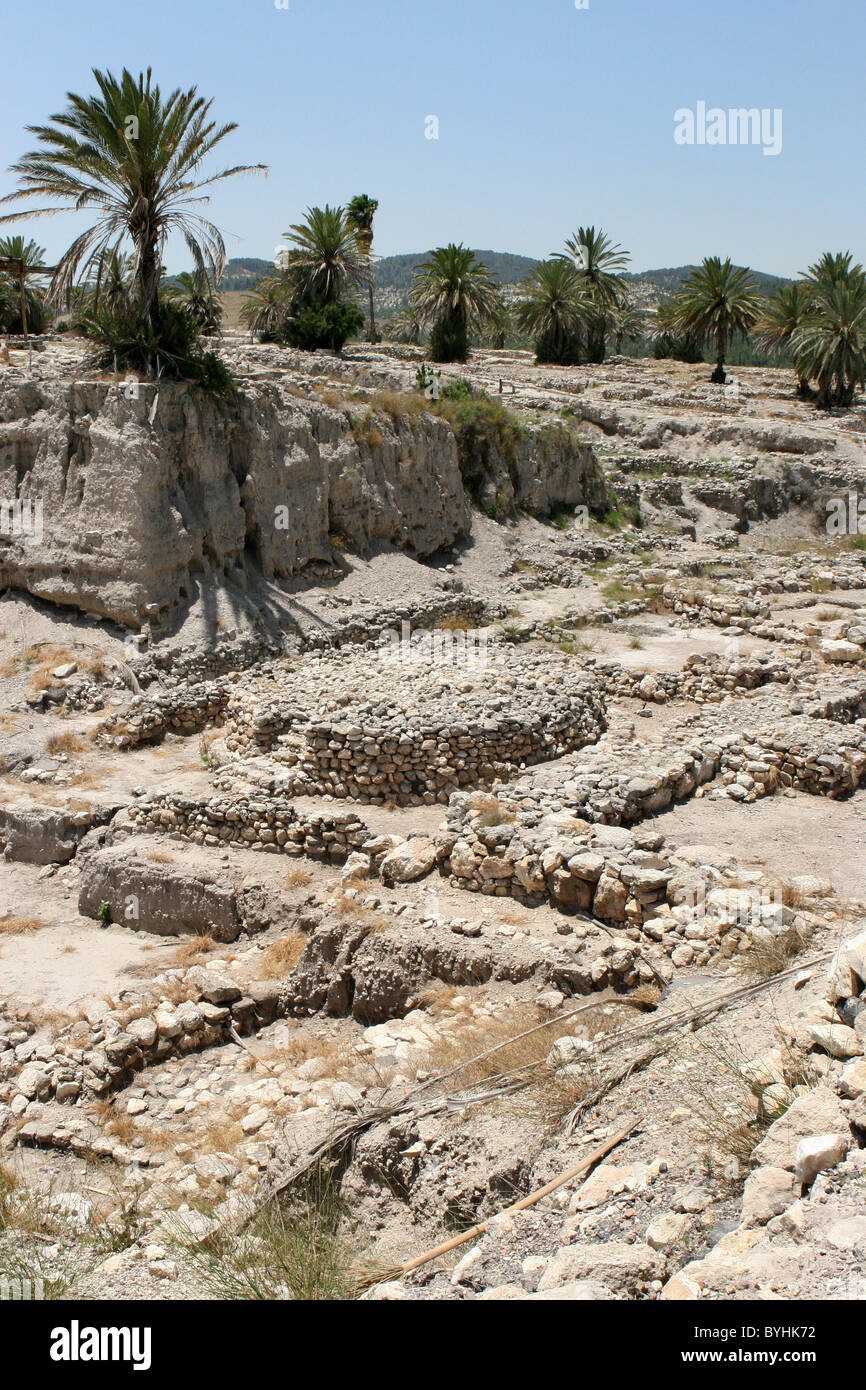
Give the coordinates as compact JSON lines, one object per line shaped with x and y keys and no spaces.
{"x":549,"y":116}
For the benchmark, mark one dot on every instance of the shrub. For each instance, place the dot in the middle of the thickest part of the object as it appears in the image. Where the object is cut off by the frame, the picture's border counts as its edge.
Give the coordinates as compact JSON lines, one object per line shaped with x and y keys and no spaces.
{"x":559,"y":349}
{"x":449,"y":341}
{"x":479,"y":424}
{"x":166,"y":345}
{"x":679,"y":347}
{"x":324,"y":326}
{"x":458,"y":390}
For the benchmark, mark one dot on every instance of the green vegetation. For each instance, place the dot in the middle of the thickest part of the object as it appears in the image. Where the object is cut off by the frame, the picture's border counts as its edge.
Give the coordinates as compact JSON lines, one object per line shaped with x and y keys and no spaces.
{"x":134,"y":157}
{"x":480,"y":424}
{"x":716,"y":301}
{"x":454,"y":293}
{"x":360,"y":212}
{"x":575,"y":300}
{"x":306,"y":303}
{"x":196,"y":293}
{"x":779,"y":319}
{"x":829,"y":341}
{"x":296,"y":1252}
{"x":398,"y":272}
{"x":599,"y":264}
{"x":33,"y":256}
{"x":170,"y":344}
{"x":554,"y":311}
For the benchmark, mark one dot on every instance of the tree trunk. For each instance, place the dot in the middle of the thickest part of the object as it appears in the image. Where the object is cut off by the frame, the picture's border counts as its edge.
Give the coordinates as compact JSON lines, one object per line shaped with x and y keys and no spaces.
{"x":719,"y":376}
{"x":148,"y":277}
{"x":373,"y":335}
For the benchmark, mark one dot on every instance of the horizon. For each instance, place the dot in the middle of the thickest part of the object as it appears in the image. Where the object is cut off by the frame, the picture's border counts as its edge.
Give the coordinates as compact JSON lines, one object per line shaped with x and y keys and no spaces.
{"x":497,"y":125}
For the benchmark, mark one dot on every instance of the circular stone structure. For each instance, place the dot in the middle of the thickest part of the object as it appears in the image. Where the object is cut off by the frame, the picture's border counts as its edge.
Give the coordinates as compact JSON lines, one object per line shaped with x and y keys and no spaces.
{"x":410,"y":722}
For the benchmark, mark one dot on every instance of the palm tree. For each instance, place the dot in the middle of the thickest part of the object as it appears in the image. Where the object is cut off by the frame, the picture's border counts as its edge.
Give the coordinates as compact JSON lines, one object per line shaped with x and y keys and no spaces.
{"x":779,"y":318}
{"x":626,"y":323}
{"x":717,"y":301}
{"x":454,"y":292}
{"x":361,"y":211}
{"x":668,"y":340}
{"x":555,"y":311}
{"x":267,"y":308}
{"x":599,"y":262}
{"x":829,"y":344}
{"x":499,"y":325}
{"x":324,"y":257}
{"x":135,"y":156}
{"x":198,"y":295}
{"x":113,"y":285}
{"x":32,"y":257}
{"x":405,"y":327}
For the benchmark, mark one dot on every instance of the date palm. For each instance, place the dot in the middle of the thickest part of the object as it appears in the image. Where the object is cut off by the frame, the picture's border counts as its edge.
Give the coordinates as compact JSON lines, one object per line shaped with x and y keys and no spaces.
{"x":599,"y":262}
{"x":626,"y":323}
{"x":361,"y":211}
{"x":197,"y":293}
{"x":33,"y":259}
{"x":779,"y":318}
{"x":267,"y":309}
{"x":323,"y":258}
{"x":717,"y":301}
{"x":555,"y":310}
{"x":829,"y":345}
{"x":455,"y":292}
{"x":406,"y":327}
{"x":135,"y":157}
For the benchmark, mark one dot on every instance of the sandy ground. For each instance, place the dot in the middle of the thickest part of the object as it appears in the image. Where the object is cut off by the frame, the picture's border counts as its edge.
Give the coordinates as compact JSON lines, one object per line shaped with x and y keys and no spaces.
{"x":788,"y":835}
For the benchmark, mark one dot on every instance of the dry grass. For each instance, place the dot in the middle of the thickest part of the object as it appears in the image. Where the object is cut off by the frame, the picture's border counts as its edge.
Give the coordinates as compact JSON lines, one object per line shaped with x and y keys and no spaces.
{"x":159,"y":856}
{"x":768,"y":958}
{"x":66,"y":743}
{"x":42,"y":655}
{"x":453,"y":622}
{"x":492,"y":812}
{"x":193,"y":951}
{"x":364,"y":431}
{"x":176,"y":992}
{"x":81,"y":777}
{"x":97,"y":668}
{"x":303,"y":1046}
{"x":52,"y":1021}
{"x":551,"y":1090}
{"x":349,"y":909}
{"x":437,"y":996}
{"x":281,"y":957}
{"x":297,"y":878}
{"x":122,"y":1127}
{"x":21,"y":926}
{"x":731,"y":1123}
{"x":221,"y":1137}
{"x":398,"y":404}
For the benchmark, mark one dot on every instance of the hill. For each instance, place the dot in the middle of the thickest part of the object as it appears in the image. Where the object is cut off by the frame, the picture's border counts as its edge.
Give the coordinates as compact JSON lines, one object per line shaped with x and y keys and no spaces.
{"x":394,"y":277}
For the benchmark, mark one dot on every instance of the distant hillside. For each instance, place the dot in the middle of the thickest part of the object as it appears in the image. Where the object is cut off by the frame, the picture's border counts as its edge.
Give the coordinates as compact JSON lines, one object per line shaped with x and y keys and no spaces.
{"x":395,"y":272}
{"x":394,"y":277}
{"x":242,"y":272}
{"x":669,"y":281}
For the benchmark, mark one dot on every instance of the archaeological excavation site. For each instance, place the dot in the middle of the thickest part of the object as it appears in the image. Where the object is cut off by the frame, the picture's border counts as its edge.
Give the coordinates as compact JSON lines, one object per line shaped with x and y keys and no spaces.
{"x":432,"y":841}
